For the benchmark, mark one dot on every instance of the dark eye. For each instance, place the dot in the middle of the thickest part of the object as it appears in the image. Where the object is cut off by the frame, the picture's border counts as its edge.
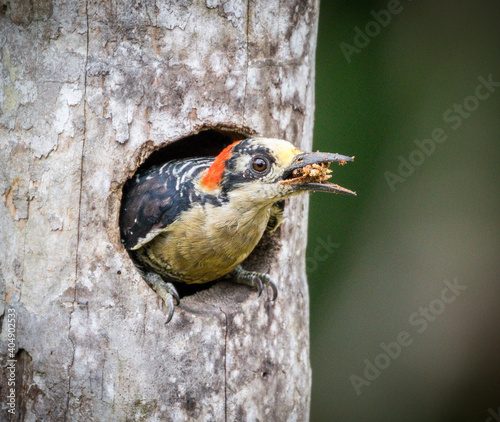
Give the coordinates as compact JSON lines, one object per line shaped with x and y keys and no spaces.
{"x":259,"y":164}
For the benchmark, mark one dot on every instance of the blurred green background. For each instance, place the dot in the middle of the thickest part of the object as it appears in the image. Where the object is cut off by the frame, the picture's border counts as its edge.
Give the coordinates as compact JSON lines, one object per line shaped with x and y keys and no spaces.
{"x":388,"y":252}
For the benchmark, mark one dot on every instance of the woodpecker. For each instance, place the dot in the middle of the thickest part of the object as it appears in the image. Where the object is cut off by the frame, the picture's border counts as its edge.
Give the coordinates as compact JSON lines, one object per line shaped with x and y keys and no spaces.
{"x":195,"y":220}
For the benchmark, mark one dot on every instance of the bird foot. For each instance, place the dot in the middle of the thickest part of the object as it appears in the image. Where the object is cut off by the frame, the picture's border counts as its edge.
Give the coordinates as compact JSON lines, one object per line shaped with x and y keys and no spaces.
{"x":165,"y":290}
{"x":254,"y":279}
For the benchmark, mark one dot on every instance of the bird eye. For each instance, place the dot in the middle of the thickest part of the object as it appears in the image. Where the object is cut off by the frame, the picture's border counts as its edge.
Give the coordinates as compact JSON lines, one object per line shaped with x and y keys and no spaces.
{"x":259,"y":164}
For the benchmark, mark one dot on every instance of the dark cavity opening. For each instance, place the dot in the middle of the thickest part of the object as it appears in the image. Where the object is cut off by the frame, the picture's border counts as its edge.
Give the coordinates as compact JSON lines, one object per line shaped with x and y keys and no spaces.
{"x":207,"y":143}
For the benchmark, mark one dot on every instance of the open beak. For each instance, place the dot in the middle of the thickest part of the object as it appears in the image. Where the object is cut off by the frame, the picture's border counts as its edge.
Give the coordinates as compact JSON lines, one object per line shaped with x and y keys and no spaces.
{"x":309,"y":171}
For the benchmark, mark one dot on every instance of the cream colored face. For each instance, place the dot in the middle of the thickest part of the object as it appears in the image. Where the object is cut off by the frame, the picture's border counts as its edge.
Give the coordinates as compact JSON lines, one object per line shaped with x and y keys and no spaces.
{"x":282,"y":150}
{"x":278,"y":153}
{"x":256,"y":166}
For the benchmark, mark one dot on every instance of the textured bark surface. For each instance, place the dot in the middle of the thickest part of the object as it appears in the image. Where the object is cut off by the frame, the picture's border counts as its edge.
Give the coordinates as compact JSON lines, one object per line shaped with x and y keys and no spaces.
{"x":88,"y":90}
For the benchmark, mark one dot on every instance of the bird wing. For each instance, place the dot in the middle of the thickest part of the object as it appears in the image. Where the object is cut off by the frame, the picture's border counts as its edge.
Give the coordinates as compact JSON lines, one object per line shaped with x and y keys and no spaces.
{"x":152,"y":200}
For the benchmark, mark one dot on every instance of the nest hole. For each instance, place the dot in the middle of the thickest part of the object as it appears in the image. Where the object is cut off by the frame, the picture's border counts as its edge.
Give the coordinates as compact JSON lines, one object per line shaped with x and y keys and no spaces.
{"x":209,"y":143}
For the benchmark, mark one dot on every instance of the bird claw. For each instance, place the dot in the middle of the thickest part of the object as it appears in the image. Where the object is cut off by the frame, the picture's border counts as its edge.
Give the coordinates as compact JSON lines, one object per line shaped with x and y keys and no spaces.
{"x":173,"y":291}
{"x":269,"y":282}
{"x":255,"y":279}
{"x":171,"y":308}
{"x":258,"y":282}
{"x":166,"y":291}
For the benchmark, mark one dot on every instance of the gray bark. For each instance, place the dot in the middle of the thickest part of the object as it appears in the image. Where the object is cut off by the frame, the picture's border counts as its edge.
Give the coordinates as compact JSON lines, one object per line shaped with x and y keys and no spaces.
{"x":88,"y":90}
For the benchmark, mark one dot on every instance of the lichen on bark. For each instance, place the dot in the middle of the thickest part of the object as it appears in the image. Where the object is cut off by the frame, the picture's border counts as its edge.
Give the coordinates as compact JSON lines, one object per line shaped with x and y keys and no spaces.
{"x":87,"y":91}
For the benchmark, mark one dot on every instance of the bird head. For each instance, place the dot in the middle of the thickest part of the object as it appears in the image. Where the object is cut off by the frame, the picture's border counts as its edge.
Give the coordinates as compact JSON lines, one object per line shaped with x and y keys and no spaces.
{"x":266,"y":170}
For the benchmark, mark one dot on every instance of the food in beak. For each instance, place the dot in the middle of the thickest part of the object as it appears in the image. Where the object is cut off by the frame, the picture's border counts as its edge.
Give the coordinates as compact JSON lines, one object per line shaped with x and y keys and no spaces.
{"x":310,"y":173}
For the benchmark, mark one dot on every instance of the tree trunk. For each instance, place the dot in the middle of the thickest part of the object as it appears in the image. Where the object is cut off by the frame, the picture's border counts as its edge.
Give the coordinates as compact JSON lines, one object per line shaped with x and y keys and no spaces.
{"x":88,"y":90}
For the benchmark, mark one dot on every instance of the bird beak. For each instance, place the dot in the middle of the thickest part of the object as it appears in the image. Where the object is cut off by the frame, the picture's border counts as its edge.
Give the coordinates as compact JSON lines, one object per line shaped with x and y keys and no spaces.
{"x":309,"y":171}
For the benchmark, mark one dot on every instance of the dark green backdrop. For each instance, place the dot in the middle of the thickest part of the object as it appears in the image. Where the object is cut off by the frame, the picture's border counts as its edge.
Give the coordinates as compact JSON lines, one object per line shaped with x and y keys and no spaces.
{"x":381,"y":264}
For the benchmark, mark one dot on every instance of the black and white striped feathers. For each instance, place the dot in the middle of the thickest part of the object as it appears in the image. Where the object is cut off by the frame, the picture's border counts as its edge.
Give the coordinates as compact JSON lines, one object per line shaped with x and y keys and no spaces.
{"x":154,"y":199}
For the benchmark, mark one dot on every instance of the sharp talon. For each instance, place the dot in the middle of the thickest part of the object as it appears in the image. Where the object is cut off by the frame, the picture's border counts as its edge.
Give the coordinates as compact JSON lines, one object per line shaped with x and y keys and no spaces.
{"x":165,"y":290}
{"x":173,"y":291}
{"x":269,"y":283}
{"x":274,"y":289}
{"x":256,"y":279}
{"x":170,"y":311}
